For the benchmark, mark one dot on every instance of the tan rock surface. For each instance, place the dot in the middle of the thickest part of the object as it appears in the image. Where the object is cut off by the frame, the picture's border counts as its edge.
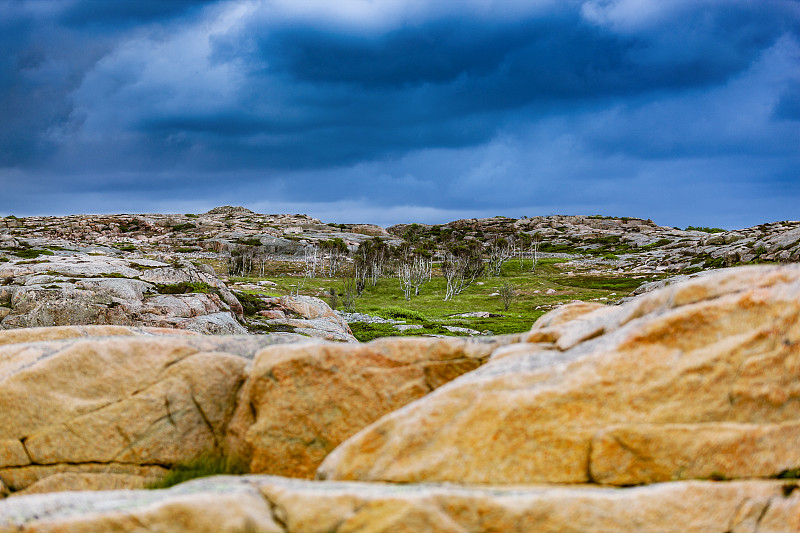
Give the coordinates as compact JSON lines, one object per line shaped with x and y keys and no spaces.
{"x":301,"y":401}
{"x":130,"y":402}
{"x":270,"y":504}
{"x":20,"y":336}
{"x":75,"y":481}
{"x":23,"y":478}
{"x":707,"y":369}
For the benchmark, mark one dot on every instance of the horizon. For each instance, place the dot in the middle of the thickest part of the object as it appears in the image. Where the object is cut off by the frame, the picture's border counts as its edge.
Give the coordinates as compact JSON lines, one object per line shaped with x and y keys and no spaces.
{"x":356,"y":222}
{"x":683,"y":112}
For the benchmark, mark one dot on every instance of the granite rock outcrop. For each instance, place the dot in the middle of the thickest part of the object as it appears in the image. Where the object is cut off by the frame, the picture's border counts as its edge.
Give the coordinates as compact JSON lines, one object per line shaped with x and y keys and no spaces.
{"x":695,"y":380}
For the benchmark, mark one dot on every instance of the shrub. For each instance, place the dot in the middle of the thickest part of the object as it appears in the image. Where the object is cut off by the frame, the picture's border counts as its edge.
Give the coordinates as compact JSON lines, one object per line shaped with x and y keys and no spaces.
{"x":704,"y":229}
{"x":333,"y":300}
{"x":251,"y":303}
{"x":211,"y":464}
{"x":507,"y":294}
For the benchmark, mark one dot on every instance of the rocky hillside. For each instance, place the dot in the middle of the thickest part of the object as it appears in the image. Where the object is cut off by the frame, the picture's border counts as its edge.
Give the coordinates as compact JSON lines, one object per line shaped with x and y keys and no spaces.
{"x":627,"y":244}
{"x":630,"y":244}
{"x":678,"y":411}
{"x":221,"y":229}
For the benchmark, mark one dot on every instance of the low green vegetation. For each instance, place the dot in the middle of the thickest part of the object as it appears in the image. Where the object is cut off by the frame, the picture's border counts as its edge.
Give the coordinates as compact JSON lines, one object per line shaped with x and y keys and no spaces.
{"x":535,"y":293}
{"x":252,"y":241}
{"x":792,"y":473}
{"x":185,"y":287}
{"x":705,"y":229}
{"x":31,"y":253}
{"x":203,"y":466}
{"x":657,"y":244}
{"x":401,"y":313}
{"x":183,"y":227}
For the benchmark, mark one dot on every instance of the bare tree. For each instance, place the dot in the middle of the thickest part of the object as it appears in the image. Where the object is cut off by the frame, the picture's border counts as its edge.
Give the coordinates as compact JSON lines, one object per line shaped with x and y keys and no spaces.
{"x":414,"y":269}
{"x":460,"y":267}
{"x":334,"y":250}
{"x":310,"y":260}
{"x":529,"y":244}
{"x":263,"y":257}
{"x":370,"y":259}
{"x":499,"y":251}
{"x":349,"y":295}
{"x":534,"y":249}
{"x":240,"y":261}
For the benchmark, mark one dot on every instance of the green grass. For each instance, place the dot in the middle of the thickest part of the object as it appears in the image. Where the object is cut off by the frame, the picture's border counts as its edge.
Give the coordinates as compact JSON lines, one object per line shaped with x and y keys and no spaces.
{"x":401,"y":313}
{"x":367,"y":332}
{"x":607,"y":283}
{"x":203,"y":466}
{"x":429,"y":309}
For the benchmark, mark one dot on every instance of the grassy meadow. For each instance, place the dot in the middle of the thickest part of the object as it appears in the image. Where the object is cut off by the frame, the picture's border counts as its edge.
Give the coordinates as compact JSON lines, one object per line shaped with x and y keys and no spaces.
{"x":553,"y":283}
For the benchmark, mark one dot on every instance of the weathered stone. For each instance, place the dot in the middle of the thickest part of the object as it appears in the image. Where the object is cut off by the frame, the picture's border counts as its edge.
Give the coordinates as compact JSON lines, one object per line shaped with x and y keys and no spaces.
{"x":270,"y":504}
{"x":21,"y":478}
{"x":73,"y":481}
{"x":82,"y":289}
{"x":21,"y":336}
{"x":677,"y":384}
{"x":133,"y":398}
{"x":301,"y":401}
{"x":305,"y":315}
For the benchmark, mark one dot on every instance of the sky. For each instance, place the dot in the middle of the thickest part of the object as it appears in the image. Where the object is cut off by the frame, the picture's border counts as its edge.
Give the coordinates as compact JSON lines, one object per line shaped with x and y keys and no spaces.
{"x":686,"y":112}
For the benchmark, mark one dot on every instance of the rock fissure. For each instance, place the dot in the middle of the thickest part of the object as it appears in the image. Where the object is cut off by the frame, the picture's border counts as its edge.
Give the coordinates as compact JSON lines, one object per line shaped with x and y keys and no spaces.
{"x":279,"y":514}
{"x":206,"y":421}
{"x":169,"y":412}
{"x":761,"y":516}
{"x":22,"y":441}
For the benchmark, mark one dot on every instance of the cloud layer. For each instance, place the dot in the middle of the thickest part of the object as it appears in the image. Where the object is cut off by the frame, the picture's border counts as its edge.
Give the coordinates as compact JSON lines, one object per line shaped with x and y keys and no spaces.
{"x":684,"y":111}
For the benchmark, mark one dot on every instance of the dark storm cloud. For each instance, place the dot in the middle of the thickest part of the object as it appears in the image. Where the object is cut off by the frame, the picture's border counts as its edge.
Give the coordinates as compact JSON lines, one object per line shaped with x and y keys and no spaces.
{"x":452,"y":81}
{"x":124,"y":12}
{"x":436,"y":105}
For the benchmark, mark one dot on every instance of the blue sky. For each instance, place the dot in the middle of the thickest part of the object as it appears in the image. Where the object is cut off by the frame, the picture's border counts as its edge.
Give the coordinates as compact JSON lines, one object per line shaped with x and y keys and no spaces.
{"x":683,"y":111}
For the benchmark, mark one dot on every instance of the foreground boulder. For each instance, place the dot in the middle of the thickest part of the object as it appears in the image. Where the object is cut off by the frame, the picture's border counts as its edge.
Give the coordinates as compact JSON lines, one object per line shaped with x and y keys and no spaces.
{"x":278,"y":505}
{"x":695,"y":380}
{"x":103,"y":407}
{"x":115,"y":400}
{"x":301,"y":401}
